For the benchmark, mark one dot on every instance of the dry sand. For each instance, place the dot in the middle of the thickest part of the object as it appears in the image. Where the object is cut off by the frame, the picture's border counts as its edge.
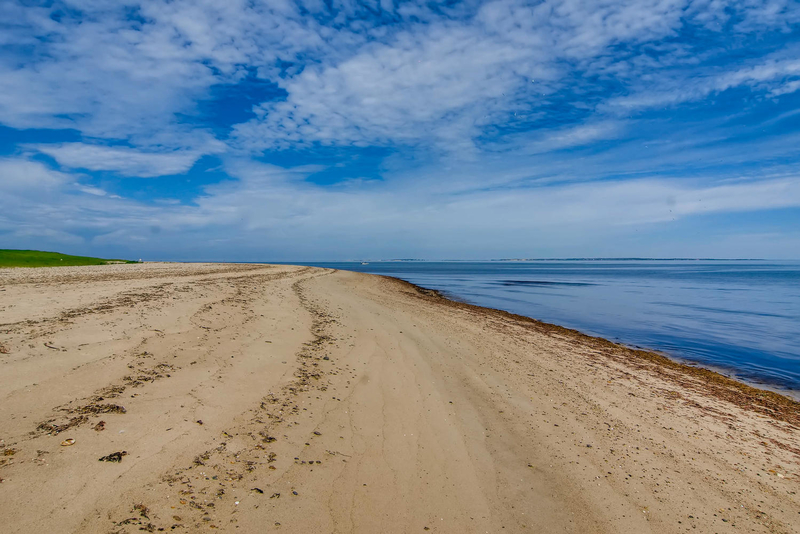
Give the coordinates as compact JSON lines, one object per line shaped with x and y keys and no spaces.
{"x":249,"y":398}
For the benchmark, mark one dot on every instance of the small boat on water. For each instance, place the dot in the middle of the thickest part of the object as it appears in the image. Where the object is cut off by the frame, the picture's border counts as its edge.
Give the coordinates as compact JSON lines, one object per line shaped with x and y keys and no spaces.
{"x":364,"y":263}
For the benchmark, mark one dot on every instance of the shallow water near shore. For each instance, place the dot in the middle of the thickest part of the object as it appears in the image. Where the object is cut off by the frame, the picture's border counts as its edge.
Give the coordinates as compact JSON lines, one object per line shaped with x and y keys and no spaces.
{"x":742,"y":317}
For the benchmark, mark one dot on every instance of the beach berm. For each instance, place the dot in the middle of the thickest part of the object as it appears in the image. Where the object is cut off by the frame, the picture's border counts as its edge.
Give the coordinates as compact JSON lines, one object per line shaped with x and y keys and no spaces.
{"x":259,"y":398}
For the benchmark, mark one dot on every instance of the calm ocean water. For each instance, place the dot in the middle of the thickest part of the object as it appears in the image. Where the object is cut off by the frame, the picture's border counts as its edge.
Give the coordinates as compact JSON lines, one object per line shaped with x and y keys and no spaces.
{"x":742,"y":317}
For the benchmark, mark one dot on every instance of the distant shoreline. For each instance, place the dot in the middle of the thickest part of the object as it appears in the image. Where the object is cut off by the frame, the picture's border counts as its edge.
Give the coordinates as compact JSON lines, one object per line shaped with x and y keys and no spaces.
{"x":494,"y":260}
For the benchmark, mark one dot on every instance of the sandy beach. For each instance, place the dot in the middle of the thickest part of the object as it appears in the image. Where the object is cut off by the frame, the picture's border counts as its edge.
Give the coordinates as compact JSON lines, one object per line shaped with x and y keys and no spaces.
{"x":252,"y":398}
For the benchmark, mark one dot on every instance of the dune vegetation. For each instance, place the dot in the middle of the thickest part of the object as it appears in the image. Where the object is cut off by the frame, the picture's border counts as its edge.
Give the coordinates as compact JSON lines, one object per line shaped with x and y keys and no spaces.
{"x":38,"y":258}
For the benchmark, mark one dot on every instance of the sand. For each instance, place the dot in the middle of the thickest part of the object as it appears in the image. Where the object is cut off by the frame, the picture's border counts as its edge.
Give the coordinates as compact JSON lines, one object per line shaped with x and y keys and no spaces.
{"x":251,"y":398}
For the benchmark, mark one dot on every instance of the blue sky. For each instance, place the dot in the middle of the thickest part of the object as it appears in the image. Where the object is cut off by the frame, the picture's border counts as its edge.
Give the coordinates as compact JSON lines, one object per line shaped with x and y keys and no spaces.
{"x":334,"y":129}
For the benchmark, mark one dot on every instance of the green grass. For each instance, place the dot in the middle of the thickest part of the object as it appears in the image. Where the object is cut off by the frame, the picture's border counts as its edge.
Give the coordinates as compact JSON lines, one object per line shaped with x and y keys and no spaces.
{"x":37,"y":258}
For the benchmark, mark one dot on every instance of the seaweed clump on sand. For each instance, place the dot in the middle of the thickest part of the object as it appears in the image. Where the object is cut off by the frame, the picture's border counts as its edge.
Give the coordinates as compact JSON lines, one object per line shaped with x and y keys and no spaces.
{"x":101,"y":408}
{"x":114,"y":457}
{"x":54,"y":429}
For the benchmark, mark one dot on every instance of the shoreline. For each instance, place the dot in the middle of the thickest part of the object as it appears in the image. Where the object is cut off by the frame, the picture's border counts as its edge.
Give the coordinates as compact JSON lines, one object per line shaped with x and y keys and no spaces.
{"x":689,"y":364}
{"x":783,"y":402}
{"x":269,"y":398}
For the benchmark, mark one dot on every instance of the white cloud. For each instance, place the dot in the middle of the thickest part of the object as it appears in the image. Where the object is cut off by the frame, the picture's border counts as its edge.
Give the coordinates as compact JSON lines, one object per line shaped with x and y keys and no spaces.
{"x":769,"y":74}
{"x":111,"y":75}
{"x":19,"y":176}
{"x":41,"y":207}
{"x":89,"y":190}
{"x":126,"y":161}
{"x":787,"y":88}
{"x":446,"y":82}
{"x":573,"y":136}
{"x":397,"y":93}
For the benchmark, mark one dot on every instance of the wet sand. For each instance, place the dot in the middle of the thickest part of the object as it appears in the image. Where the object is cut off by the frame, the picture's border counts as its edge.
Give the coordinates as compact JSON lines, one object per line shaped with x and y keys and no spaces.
{"x":251,"y":398}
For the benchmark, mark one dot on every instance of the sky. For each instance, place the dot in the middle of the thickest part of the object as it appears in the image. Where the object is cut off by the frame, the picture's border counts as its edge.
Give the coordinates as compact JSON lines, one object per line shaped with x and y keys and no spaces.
{"x":280,"y":130}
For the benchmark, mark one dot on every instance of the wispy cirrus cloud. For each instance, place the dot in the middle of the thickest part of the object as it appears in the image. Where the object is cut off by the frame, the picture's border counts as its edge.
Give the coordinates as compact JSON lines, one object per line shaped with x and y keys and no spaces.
{"x":770,"y":76}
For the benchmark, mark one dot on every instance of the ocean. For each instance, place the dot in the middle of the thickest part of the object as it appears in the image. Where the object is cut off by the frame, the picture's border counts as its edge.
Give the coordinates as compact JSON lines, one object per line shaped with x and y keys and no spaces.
{"x":739,"y":317}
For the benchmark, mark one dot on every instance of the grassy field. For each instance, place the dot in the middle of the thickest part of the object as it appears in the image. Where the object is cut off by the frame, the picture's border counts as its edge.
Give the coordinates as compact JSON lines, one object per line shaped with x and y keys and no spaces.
{"x":37,"y":258}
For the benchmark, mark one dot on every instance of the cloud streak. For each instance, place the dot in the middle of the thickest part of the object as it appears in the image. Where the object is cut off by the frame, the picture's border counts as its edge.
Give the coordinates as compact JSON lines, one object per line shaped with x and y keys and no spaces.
{"x":265,"y":209}
{"x":126,"y":161}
